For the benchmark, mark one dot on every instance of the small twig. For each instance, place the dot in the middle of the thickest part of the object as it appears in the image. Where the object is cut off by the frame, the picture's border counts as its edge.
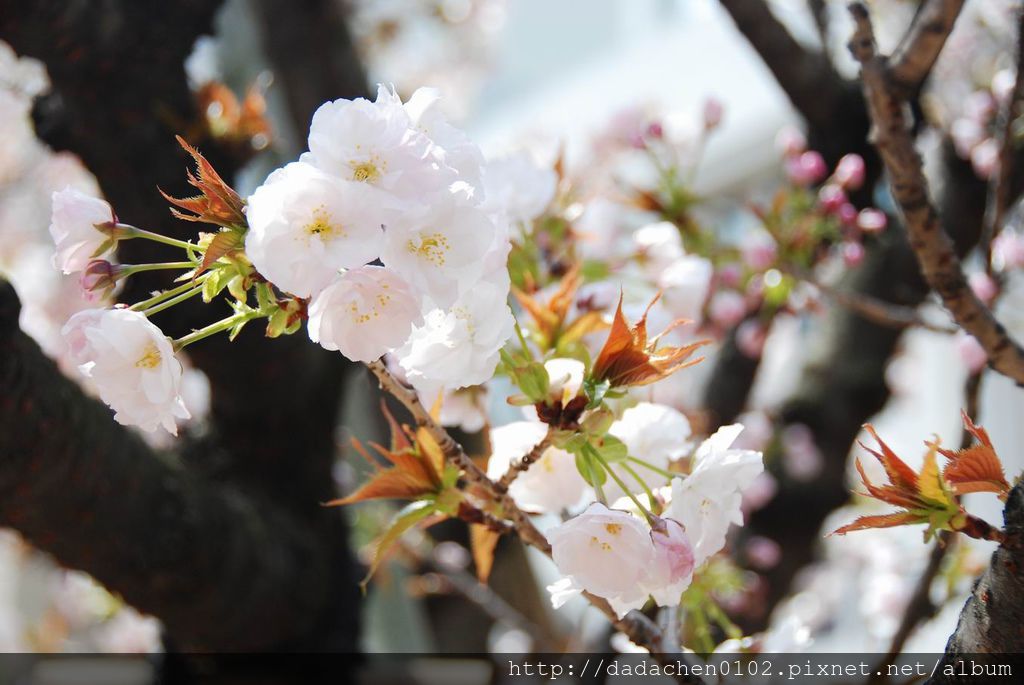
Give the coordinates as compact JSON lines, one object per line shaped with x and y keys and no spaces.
{"x":999,"y":187}
{"x":875,"y":310}
{"x":913,"y":60}
{"x":523,"y":464}
{"x":935,"y":252}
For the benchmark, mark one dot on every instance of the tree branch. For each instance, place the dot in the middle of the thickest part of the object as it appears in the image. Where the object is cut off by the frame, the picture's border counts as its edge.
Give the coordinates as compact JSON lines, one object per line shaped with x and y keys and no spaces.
{"x":913,"y":60}
{"x":991,"y":620}
{"x":807,"y":77}
{"x":936,"y":254}
{"x":220,"y":571}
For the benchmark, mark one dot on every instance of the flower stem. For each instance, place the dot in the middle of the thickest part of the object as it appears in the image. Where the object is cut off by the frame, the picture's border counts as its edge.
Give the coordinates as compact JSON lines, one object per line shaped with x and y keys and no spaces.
{"x":641,"y":481}
{"x":618,"y":481}
{"x":160,"y":297}
{"x":167,"y":304}
{"x":216,"y":327}
{"x":134,"y":232}
{"x":139,"y":268}
{"x":652,"y":467}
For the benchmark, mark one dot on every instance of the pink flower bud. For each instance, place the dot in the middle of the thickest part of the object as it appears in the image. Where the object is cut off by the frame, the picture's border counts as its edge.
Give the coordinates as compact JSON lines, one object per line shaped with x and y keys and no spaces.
{"x":853,"y":253}
{"x":847,"y":214}
{"x":673,"y":549}
{"x":713,"y":112}
{"x":831,"y":197}
{"x":727,"y":308}
{"x":790,"y":141}
{"x":729,"y":275}
{"x":850,"y":172}
{"x":807,"y":169}
{"x":763,"y":553}
{"x":655,"y":130}
{"x":800,"y":455}
{"x":971,"y":352}
{"x":759,"y":253}
{"x":750,"y":338}
{"x":872,"y":220}
{"x":984,"y":286}
{"x":99,"y":277}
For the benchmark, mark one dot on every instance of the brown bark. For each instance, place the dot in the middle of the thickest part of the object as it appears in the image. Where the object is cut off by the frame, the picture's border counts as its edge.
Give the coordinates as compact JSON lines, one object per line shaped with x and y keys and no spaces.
{"x":222,"y":571}
{"x":992,"y":620}
{"x":119,"y":96}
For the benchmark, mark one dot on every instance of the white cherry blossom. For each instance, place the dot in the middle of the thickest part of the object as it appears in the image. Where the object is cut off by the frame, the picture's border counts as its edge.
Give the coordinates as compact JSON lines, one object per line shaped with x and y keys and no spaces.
{"x":603,"y":551}
{"x":458,"y":347}
{"x":551,"y":484}
{"x":653,"y":433}
{"x":452,"y":147}
{"x":375,"y":143}
{"x":518,"y":186}
{"x":364,"y":313}
{"x":304,"y":225}
{"x":685,"y":284}
{"x":132,"y":365}
{"x":708,"y":500}
{"x":73,"y":222}
{"x":440,"y":249}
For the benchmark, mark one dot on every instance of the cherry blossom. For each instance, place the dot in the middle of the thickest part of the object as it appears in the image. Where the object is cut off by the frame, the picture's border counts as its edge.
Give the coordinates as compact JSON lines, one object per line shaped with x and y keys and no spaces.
{"x":304,"y":225}
{"x":685,"y":284}
{"x":458,"y":347}
{"x":603,"y":551}
{"x":74,"y":227}
{"x":440,"y":249}
{"x":616,"y":555}
{"x":376,"y":143}
{"x":364,"y":313}
{"x":132,"y":365}
{"x":551,"y":484}
{"x":708,"y":500}
{"x":653,"y":433}
{"x":518,"y":186}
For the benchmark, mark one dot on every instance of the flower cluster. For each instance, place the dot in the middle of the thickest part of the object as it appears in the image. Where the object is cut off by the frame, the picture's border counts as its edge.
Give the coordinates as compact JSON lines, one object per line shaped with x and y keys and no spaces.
{"x":396,"y":183}
{"x":618,"y":555}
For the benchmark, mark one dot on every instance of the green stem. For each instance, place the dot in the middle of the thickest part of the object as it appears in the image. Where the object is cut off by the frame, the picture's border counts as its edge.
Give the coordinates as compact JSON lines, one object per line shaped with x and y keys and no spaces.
{"x":196,"y":289}
{"x":214,"y":328}
{"x":641,"y":481}
{"x":522,"y":341}
{"x":130,"y":269}
{"x":652,"y":467}
{"x":133,"y":232}
{"x":618,"y":481}
{"x":160,"y":297}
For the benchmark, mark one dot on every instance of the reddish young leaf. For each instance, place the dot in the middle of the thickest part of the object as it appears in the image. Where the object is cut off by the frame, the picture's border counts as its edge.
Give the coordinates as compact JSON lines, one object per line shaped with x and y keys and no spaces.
{"x":217,"y":202}
{"x":628,"y":358}
{"x":976,"y":468}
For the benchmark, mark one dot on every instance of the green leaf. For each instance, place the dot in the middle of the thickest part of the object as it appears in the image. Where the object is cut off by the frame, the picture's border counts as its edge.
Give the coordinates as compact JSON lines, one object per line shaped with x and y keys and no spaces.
{"x":409,"y":516}
{"x":595,"y":391}
{"x":612,"y":449}
{"x":591,"y":471}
